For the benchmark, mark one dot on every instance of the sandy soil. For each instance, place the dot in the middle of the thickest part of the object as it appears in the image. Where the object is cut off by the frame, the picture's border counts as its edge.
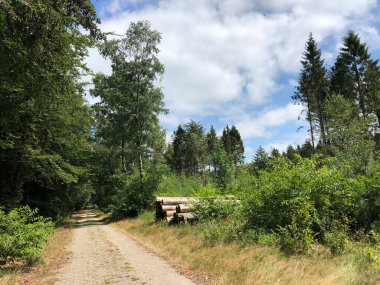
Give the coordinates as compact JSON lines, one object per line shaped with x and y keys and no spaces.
{"x":103,"y":255}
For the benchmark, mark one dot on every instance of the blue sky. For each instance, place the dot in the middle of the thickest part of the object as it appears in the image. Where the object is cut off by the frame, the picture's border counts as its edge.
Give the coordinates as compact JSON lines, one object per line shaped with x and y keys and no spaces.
{"x":237,"y":61}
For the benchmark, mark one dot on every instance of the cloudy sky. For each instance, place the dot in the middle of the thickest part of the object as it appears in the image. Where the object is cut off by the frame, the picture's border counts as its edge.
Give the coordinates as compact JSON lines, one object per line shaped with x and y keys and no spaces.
{"x":237,"y":61}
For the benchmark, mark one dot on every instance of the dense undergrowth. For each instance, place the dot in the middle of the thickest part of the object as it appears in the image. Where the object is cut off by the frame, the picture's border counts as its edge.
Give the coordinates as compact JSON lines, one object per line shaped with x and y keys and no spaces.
{"x":292,"y":204}
{"x":22,"y":235}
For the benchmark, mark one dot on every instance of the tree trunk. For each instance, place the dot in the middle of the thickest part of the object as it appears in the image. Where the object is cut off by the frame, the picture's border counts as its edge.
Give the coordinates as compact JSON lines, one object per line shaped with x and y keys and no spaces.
{"x":310,"y":119}
{"x":141,"y":168}
{"x":123,"y":167}
{"x":360,"y":94}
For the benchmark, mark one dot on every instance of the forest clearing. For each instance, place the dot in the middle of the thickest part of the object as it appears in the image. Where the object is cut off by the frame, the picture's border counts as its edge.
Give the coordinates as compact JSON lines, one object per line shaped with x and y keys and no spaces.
{"x":245,"y":150}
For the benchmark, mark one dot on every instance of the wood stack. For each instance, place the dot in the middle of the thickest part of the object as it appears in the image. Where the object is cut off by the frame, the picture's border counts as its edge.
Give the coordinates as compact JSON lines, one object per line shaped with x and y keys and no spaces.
{"x":175,"y":209}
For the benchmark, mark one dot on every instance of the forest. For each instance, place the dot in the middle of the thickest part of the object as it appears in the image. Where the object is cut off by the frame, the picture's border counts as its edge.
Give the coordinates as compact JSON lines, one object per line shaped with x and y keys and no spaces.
{"x":59,"y":154}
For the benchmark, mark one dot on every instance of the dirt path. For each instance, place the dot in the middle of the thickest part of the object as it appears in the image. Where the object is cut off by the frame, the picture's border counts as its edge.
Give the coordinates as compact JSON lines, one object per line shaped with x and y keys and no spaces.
{"x":103,"y":255}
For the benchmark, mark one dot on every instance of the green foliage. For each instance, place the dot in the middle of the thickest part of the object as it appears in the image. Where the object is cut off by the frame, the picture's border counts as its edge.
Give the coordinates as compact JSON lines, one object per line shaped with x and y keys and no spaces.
{"x":233,"y":145}
{"x":45,"y":123}
{"x":300,"y":201}
{"x":213,"y":231}
{"x":130,"y":101}
{"x":23,"y":234}
{"x":130,"y":198}
{"x":295,"y":239}
{"x":336,"y":240}
{"x":224,"y":171}
{"x":312,"y":89}
{"x":351,"y":140}
{"x":173,"y":185}
{"x":128,"y":136}
{"x":213,"y":207}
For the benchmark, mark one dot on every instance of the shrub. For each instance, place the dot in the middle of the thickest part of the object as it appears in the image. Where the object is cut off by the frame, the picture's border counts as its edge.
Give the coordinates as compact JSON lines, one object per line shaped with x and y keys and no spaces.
{"x":300,"y":201}
{"x":131,"y":197}
{"x":213,"y":206}
{"x":174,"y":185}
{"x":294,"y":239}
{"x":336,"y":240}
{"x":23,"y":234}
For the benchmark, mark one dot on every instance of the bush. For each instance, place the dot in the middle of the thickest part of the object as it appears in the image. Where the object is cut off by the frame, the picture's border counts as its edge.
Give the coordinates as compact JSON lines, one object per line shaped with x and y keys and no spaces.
{"x":214,"y":206}
{"x":131,"y":196}
{"x":174,"y":185}
{"x":336,"y":240}
{"x":23,"y":234}
{"x":294,"y":239}
{"x":300,"y":201}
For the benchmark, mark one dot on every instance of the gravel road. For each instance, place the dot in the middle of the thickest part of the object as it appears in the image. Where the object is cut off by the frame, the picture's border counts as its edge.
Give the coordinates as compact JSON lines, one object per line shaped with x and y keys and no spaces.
{"x":103,"y":255}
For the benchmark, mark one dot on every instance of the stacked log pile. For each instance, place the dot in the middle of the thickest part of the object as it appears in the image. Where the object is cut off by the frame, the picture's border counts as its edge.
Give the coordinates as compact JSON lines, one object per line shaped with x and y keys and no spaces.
{"x":175,"y":209}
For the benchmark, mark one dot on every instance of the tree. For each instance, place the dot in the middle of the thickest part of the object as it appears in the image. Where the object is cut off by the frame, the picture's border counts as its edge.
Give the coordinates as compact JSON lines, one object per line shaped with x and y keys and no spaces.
{"x":44,"y":121}
{"x":212,"y":146}
{"x":312,"y":89}
{"x":224,"y":172}
{"x":195,"y":148}
{"x":179,"y":148}
{"x":355,"y":75}
{"x":306,"y":150}
{"x":351,"y":141}
{"x":130,"y":100}
{"x":275,"y":153}
{"x":233,"y":145}
{"x":290,"y":152}
{"x":261,"y":159}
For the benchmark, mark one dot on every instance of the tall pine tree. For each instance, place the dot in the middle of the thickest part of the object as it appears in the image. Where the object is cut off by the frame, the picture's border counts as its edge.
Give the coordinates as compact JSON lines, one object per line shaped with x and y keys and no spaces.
{"x":312,"y":89}
{"x":355,"y":75}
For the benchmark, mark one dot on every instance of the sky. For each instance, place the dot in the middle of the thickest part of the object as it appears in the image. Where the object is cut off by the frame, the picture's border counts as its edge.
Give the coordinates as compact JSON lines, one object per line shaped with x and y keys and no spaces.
{"x":237,"y":62}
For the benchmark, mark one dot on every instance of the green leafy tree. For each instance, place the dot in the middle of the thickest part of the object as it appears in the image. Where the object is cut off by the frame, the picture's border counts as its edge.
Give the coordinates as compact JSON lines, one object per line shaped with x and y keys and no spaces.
{"x":130,"y":100}
{"x":224,"y":171}
{"x":44,"y":121}
{"x":351,"y":141}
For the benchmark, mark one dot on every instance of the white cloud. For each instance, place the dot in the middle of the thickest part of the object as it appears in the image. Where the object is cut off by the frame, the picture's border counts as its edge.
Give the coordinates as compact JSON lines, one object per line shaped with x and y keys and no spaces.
{"x":259,"y":125}
{"x":212,"y":49}
{"x":282,"y":145}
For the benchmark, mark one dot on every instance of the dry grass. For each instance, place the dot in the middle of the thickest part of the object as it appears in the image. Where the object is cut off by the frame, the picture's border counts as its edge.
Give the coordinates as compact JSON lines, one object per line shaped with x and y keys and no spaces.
{"x":235,"y":264}
{"x":55,"y":254}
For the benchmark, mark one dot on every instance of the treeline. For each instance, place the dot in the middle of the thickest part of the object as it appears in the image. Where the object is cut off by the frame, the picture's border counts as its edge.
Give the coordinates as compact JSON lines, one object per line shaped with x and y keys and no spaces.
{"x":195,"y":152}
{"x":45,"y":124}
{"x":57,"y":153}
{"x":342,"y":103}
{"x":324,"y":191}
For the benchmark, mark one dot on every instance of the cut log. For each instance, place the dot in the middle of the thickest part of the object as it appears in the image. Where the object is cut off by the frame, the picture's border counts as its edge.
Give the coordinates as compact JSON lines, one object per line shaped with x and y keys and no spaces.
{"x":183,"y":208}
{"x":183,"y":218}
{"x":185,"y":215}
{"x":168,"y":207}
{"x":170,"y":213}
{"x":176,"y":200}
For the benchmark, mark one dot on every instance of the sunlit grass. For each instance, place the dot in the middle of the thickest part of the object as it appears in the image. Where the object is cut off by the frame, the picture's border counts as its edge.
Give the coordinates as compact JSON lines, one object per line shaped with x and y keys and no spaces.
{"x":234,"y":263}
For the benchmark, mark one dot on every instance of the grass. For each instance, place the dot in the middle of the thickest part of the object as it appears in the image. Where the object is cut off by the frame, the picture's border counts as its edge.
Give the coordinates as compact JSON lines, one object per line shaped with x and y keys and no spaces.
{"x":54,"y":255}
{"x":234,"y":263}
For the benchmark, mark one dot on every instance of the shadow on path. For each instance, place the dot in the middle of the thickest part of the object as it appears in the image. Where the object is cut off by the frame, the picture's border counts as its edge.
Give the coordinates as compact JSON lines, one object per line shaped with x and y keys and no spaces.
{"x":87,"y":218}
